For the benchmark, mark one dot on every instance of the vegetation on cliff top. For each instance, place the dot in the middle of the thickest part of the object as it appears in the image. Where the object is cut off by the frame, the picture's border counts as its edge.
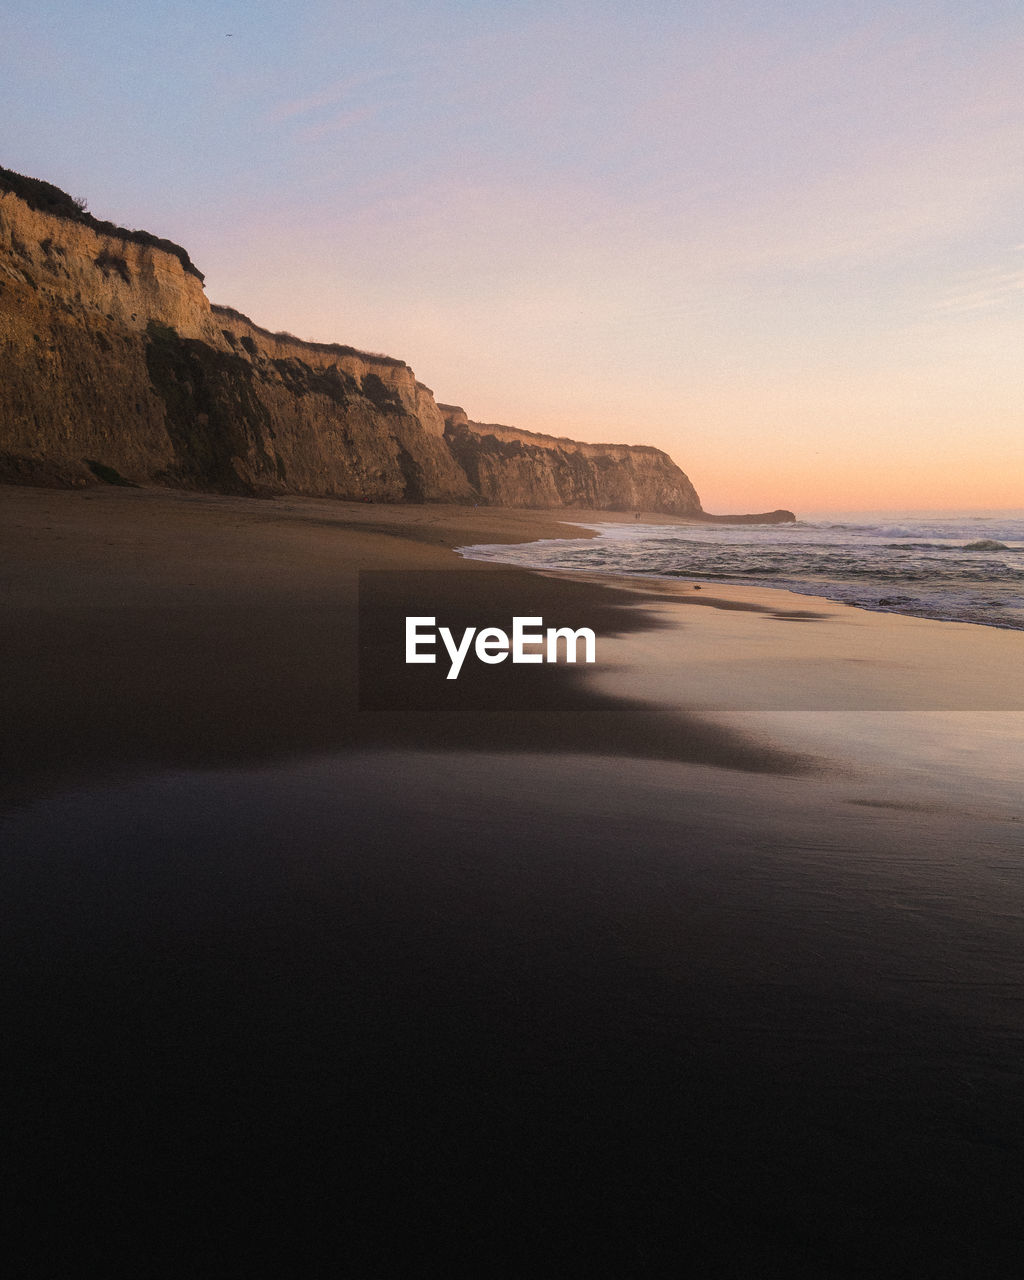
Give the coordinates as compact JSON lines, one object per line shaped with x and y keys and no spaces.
{"x":543,"y":438}
{"x":44,"y":197}
{"x":335,"y":348}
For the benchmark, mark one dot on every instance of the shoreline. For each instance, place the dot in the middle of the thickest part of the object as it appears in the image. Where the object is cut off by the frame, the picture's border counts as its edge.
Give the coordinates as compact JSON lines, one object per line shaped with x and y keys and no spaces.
{"x":151,"y":629}
{"x":131,"y":640}
{"x":703,"y":580}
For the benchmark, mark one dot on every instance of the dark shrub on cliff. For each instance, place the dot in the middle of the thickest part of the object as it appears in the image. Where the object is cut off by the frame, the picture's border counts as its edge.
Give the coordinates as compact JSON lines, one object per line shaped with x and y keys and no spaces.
{"x":46,"y":198}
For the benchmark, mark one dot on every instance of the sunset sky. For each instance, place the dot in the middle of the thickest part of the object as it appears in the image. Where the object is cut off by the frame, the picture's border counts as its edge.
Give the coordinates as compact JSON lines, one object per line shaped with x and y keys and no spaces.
{"x":784,"y":243}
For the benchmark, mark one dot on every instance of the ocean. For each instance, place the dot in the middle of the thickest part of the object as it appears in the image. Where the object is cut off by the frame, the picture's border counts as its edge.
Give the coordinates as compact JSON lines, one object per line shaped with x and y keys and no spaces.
{"x":957,"y":568}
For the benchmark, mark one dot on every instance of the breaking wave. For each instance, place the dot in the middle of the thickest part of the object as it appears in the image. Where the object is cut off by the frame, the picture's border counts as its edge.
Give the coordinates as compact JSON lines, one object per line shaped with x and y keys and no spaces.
{"x":925,"y":568}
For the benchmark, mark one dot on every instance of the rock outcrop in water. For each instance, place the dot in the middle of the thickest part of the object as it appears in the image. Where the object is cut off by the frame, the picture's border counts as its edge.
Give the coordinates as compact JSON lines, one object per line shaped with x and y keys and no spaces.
{"x":116,"y":367}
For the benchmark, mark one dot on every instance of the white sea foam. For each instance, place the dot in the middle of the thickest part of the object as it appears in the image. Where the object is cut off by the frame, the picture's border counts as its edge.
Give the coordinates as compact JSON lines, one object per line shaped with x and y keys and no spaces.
{"x":932,"y":568}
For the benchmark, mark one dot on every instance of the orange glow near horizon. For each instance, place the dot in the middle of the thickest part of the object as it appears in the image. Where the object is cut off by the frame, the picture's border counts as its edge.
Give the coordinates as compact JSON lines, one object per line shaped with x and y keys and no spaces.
{"x":784,"y":245}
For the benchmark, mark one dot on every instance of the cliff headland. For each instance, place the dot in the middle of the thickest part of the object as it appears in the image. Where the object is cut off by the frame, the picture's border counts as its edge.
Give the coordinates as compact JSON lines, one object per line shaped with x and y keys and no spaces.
{"x":117,"y":368}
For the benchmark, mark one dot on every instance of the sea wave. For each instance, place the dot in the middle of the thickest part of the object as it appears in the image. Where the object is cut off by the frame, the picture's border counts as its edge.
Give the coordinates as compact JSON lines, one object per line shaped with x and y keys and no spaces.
{"x":940,"y":568}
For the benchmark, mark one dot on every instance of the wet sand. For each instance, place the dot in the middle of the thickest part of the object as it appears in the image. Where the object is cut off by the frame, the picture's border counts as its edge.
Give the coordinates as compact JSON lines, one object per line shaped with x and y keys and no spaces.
{"x":552,"y":974}
{"x":151,"y":629}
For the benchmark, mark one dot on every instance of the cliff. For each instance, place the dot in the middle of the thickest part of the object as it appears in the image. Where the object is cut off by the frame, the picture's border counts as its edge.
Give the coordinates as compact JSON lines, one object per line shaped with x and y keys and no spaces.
{"x":115,"y":366}
{"x":114,"y":363}
{"x":514,"y":468}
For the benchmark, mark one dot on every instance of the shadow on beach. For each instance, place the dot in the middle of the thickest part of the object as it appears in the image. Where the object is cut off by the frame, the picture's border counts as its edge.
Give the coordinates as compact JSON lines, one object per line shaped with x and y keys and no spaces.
{"x":207,"y":655}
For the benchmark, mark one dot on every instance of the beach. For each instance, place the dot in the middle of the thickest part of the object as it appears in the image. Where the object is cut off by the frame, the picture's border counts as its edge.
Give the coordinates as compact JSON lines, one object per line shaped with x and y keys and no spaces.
{"x":712,"y":947}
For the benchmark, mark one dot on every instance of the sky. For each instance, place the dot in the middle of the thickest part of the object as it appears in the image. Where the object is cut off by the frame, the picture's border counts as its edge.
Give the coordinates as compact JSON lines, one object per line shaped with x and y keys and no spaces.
{"x":783,"y":243}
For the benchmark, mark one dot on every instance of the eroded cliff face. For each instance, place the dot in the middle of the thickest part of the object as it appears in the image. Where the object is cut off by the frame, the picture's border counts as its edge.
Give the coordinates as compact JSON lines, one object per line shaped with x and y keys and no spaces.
{"x":515,"y":468}
{"x":114,"y":359}
{"x":114,"y":365}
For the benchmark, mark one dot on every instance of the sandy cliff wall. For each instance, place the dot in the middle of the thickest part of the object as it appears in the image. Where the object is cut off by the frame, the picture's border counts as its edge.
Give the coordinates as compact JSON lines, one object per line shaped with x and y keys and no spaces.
{"x":111,"y":353}
{"x":516,"y":468}
{"x":113,"y":364}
